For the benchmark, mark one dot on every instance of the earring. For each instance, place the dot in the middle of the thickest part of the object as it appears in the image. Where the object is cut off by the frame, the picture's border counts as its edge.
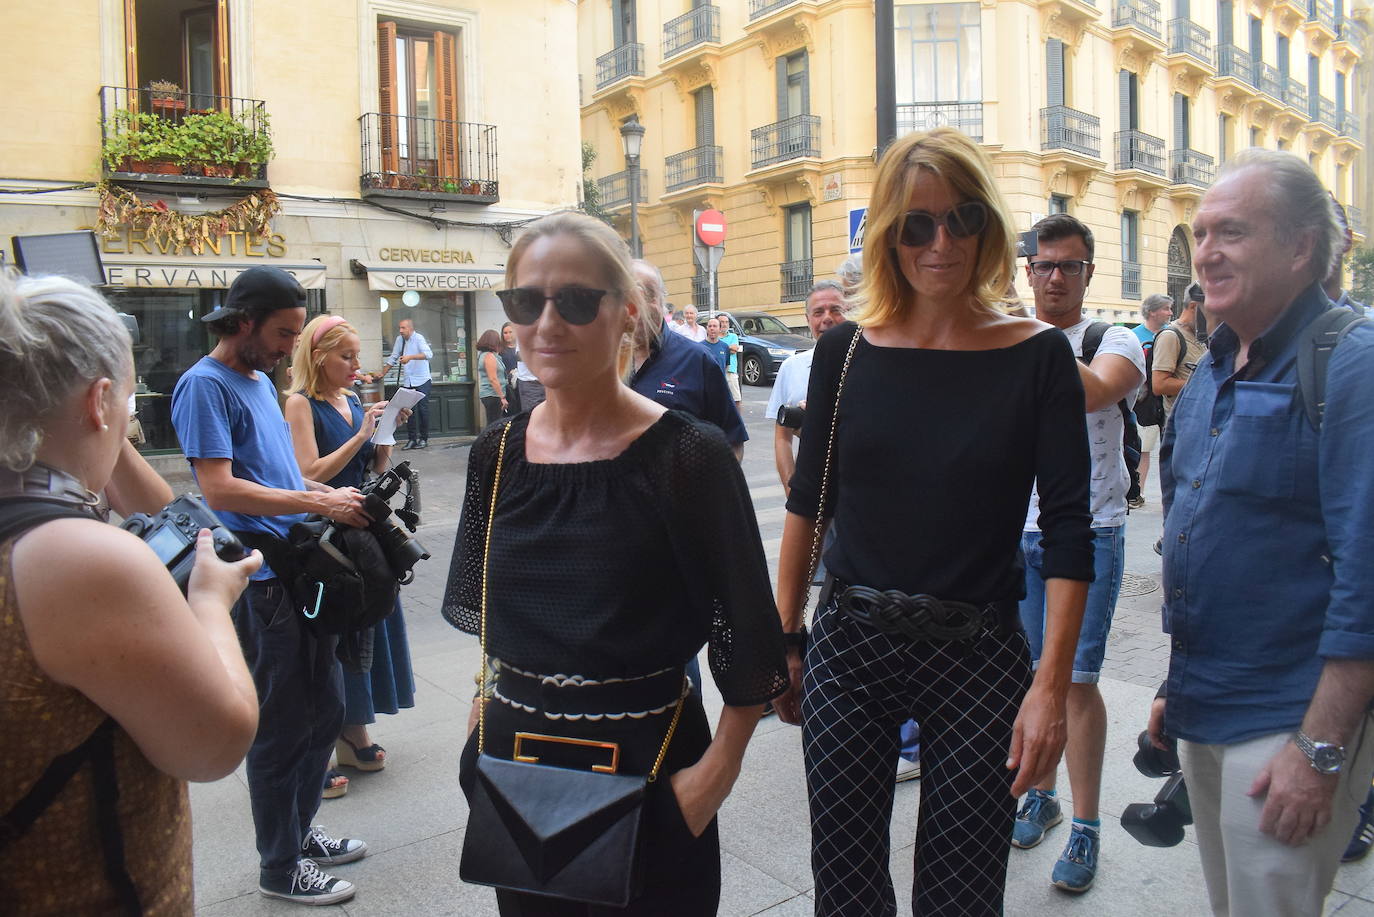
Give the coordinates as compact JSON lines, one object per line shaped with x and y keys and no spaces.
{"x":104,"y":428}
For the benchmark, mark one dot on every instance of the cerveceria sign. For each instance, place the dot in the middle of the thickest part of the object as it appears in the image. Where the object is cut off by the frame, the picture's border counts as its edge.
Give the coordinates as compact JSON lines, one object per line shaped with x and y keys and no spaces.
{"x":427,"y":255}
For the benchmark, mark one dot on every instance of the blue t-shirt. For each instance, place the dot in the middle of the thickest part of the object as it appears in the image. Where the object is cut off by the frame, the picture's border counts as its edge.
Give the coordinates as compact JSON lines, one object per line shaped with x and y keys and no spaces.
{"x":1146,"y":336}
{"x":733,"y":340}
{"x":719,"y":351}
{"x":222,"y":414}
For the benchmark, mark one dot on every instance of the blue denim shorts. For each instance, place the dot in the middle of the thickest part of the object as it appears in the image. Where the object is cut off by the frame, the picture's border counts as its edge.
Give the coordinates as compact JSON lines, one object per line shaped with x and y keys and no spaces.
{"x":1109,"y":552}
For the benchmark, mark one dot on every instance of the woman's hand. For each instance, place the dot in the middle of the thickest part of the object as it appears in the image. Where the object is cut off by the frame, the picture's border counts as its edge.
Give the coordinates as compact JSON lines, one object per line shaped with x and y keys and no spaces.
{"x":371,"y":414}
{"x":699,"y":791}
{"x":788,"y":705}
{"x":1037,"y":738}
{"x":217,"y":581}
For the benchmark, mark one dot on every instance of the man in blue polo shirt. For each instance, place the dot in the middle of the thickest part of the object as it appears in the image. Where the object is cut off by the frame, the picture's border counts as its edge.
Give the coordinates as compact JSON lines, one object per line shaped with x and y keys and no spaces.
{"x":1268,"y":531}
{"x":231,"y":429}
{"x":677,"y":372}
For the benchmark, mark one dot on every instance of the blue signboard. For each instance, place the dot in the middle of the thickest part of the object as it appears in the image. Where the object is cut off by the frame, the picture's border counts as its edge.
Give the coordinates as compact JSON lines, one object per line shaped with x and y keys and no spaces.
{"x":858,"y":219}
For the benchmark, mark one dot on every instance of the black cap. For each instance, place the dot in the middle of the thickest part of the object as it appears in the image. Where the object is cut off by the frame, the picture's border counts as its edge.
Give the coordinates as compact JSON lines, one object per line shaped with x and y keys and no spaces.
{"x":259,"y":291}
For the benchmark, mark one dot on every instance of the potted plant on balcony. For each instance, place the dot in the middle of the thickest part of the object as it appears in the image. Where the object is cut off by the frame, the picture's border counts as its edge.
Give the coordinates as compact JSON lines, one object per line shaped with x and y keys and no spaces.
{"x":141,"y":142}
{"x":209,"y":142}
{"x":166,"y":96}
{"x":254,"y":147}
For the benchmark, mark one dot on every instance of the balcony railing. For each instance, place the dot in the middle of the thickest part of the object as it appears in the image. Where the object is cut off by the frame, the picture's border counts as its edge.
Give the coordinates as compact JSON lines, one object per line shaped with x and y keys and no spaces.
{"x":1322,"y":109}
{"x":1270,"y":82}
{"x":615,"y":189}
{"x":784,"y":140}
{"x":1295,"y":94}
{"x":625,"y":61}
{"x":1347,"y":33}
{"x":429,"y":157}
{"x":1349,"y":124}
{"x":1187,"y":37}
{"x":1140,"y":14}
{"x":184,"y":137}
{"x":1130,"y":280}
{"x":1139,"y":150}
{"x":1235,"y":63}
{"x":1189,"y":167}
{"x":694,"y":27}
{"x":796,"y":280}
{"x":696,"y":166}
{"x":1064,"y":128}
{"x":923,"y":116}
{"x":759,"y":8}
{"x":1355,"y":216}
{"x":1322,"y":12}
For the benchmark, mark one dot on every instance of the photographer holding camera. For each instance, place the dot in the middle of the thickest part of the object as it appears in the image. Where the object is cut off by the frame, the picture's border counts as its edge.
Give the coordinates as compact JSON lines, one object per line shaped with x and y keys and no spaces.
{"x":231,"y":429}
{"x":117,"y":687}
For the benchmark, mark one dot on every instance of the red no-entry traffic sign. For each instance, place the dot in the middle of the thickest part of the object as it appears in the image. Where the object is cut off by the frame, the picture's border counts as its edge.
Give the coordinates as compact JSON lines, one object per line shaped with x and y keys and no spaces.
{"x":711,"y":227}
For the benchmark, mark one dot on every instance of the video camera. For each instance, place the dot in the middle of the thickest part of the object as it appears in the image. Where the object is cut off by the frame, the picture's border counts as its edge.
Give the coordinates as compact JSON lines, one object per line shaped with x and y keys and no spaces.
{"x":402,"y":551}
{"x":172,"y":535}
{"x":1159,"y":823}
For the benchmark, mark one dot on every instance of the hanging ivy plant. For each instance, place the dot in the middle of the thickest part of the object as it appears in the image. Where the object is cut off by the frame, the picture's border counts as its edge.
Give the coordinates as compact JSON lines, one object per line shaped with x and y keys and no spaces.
{"x":173,"y":229}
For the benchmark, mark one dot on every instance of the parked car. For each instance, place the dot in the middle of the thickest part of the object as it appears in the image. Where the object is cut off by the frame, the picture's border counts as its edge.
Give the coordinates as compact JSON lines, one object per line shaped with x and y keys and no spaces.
{"x":766,"y":342}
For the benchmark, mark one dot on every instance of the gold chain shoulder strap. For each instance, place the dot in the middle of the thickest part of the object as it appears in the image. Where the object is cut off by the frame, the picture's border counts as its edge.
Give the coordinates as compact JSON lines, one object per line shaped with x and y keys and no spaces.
{"x":485,"y":697}
{"x":825,"y":478}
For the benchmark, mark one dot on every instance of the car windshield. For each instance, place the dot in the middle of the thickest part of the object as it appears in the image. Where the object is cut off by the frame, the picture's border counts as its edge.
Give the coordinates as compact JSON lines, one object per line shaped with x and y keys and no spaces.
{"x":765,"y":324}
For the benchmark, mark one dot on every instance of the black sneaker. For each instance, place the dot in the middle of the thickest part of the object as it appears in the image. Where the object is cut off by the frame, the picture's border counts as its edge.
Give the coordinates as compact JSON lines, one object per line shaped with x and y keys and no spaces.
{"x":328,"y":851}
{"x":308,"y":884}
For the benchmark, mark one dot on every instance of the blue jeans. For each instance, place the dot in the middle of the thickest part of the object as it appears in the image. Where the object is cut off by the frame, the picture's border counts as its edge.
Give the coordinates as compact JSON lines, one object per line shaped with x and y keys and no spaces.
{"x":300,"y":715}
{"x":419,"y":415}
{"x":1109,"y":553}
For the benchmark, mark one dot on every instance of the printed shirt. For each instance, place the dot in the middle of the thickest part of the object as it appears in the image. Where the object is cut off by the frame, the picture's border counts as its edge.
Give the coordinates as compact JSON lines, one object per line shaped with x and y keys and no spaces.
{"x":1268,"y":531}
{"x":680,"y":375}
{"x":1110,"y":479}
{"x":413,"y":372}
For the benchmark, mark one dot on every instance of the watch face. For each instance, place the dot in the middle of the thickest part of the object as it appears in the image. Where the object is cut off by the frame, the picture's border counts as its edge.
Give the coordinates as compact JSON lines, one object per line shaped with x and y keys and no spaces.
{"x":1328,"y":758}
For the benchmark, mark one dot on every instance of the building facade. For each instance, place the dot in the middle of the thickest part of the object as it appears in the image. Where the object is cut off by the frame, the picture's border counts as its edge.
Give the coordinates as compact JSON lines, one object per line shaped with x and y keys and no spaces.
{"x":375,"y":149}
{"x":1118,"y":113}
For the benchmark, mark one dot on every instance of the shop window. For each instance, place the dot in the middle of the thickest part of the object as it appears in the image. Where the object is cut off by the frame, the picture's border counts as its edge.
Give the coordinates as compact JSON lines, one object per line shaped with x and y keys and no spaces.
{"x":444,"y":319}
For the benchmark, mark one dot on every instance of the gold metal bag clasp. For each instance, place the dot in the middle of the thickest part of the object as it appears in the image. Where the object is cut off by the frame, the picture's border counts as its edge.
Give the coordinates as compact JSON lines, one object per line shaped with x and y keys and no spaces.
{"x":612,"y":747}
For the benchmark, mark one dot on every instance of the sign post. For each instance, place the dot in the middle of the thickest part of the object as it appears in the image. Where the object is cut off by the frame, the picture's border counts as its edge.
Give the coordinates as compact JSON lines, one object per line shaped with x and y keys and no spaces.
{"x":709,"y":248}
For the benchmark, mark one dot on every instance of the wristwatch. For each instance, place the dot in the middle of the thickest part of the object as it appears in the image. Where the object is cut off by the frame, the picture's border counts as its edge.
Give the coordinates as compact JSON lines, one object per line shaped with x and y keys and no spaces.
{"x":1325,"y":757}
{"x":797,"y":638}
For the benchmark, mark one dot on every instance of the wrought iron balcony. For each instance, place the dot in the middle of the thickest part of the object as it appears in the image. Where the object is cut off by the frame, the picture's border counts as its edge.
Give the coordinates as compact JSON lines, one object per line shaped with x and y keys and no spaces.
{"x":923,"y":116}
{"x":1139,"y":150}
{"x":614,"y":66}
{"x":1235,"y":63}
{"x":1295,"y":94}
{"x":696,"y":166}
{"x":1322,"y":12}
{"x":783,"y":140}
{"x":1270,"y":81}
{"x":1349,"y":125}
{"x":759,"y":8}
{"x":1139,"y":14}
{"x":1187,"y":37}
{"x":615,"y":188}
{"x":1189,"y":167}
{"x":183,"y":138}
{"x":1350,"y":35}
{"x":1322,"y":109}
{"x":1130,"y":280}
{"x":1064,"y":128}
{"x":428,"y":158}
{"x":1355,"y":216}
{"x":694,"y":27}
{"x":796,"y":280}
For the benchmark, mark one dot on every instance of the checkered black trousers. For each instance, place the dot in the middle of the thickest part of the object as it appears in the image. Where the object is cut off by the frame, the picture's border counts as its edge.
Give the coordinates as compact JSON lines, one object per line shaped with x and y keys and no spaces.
{"x":859,"y":686}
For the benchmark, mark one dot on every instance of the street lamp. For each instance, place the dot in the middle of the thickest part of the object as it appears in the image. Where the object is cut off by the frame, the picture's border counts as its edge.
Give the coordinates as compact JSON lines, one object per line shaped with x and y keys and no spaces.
{"x":632,"y":136}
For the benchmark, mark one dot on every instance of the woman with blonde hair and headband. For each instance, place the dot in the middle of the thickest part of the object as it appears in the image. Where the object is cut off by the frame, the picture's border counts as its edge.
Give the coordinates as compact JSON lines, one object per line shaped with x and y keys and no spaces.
{"x":332,"y":435}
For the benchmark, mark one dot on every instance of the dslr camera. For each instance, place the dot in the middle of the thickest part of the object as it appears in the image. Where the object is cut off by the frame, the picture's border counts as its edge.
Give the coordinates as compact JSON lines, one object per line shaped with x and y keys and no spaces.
{"x":1159,"y":823}
{"x":172,"y":535}
{"x":402,"y":551}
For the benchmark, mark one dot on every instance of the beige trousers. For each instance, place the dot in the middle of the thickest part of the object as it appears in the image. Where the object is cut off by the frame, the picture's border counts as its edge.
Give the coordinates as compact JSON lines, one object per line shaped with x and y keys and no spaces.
{"x":1248,"y":873}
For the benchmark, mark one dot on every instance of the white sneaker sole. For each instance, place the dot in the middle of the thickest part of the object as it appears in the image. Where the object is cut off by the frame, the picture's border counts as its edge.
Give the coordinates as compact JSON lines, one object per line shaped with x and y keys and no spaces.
{"x":1048,"y":825}
{"x":351,"y":856}
{"x":343,"y":894}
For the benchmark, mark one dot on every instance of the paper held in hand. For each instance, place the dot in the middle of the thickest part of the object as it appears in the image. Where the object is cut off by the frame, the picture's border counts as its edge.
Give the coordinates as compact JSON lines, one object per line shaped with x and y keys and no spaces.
{"x":386,"y":426}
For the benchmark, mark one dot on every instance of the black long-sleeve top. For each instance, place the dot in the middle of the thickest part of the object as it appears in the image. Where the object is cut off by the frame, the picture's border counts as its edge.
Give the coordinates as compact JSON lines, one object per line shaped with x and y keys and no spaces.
{"x":620,"y":567}
{"x":935,"y":455}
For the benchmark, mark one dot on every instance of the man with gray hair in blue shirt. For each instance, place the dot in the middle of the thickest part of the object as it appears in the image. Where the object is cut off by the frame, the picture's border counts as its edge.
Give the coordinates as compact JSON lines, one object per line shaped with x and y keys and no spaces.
{"x":1268,"y":533}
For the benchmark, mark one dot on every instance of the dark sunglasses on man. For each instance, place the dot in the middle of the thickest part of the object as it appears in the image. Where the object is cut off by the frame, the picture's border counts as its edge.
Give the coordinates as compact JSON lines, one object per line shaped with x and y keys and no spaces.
{"x":576,"y":305}
{"x":918,"y":227}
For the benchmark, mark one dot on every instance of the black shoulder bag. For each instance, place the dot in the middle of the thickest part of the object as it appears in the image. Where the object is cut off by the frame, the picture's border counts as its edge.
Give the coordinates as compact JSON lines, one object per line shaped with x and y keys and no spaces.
{"x":551,"y":831}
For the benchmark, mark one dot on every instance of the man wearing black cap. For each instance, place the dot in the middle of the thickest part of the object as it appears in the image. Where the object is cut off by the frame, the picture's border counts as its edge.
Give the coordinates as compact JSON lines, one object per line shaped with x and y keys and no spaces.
{"x":230,"y":425}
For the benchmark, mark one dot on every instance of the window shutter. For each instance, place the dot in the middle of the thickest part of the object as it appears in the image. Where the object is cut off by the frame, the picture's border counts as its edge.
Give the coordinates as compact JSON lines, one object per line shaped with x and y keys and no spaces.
{"x":780,"y":70}
{"x":447,"y":131}
{"x":1054,"y":72}
{"x":805,"y":84}
{"x":1256,"y":40}
{"x":222,"y":48}
{"x":131,"y":51}
{"x":1226,"y":30}
{"x":1281,"y":51}
{"x":1223,"y":137}
{"x":706,"y":116}
{"x":1181,"y":10}
{"x":1124,"y":79}
{"x":617,"y":23}
{"x":1340,"y":93}
{"x":386,"y":96}
{"x":1181,"y":127}
{"x":1314,"y":77}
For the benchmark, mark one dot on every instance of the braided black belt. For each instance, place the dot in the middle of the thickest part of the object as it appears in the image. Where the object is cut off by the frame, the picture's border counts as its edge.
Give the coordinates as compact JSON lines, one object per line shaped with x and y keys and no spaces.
{"x":924,"y":617}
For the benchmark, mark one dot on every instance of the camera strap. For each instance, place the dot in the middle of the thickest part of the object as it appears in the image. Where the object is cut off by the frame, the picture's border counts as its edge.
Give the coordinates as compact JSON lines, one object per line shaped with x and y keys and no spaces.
{"x":18,"y":514}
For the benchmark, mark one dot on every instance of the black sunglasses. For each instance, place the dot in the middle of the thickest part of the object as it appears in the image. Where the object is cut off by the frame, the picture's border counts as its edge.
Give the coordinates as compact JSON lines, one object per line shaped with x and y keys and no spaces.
{"x":576,"y":305}
{"x":918,"y":227}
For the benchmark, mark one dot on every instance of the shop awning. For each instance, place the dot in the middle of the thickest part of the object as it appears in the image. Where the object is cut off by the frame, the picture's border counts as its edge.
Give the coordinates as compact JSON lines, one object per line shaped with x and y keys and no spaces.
{"x":386,"y":276}
{"x":193,"y":273}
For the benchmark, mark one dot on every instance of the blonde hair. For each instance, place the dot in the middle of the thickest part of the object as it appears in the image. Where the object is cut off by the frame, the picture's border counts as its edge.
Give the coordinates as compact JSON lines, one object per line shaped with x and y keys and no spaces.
{"x":307,"y":359}
{"x":608,"y":251}
{"x":884,"y":293}
{"x":56,"y":335}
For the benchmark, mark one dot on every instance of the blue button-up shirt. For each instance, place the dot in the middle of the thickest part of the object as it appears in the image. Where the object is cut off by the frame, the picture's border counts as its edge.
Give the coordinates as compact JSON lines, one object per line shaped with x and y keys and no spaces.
{"x":413,"y":372}
{"x":1268,"y":531}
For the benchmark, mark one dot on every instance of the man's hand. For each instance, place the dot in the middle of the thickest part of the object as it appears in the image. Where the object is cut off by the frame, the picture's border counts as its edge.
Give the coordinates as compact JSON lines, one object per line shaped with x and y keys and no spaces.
{"x":1037,"y":739}
{"x":1156,"y":726}
{"x":1297,"y":800}
{"x":344,"y":504}
{"x":788,"y":705}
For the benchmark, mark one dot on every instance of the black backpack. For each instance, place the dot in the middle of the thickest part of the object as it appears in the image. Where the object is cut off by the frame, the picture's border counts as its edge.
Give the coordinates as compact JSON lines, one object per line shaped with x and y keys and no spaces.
{"x":1149,"y":407}
{"x":18,"y":515}
{"x":1130,"y":436}
{"x":1319,"y":339}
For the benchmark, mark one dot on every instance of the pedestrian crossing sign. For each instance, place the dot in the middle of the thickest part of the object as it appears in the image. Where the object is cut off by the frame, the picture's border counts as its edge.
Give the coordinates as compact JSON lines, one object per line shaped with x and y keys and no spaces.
{"x":858,"y":219}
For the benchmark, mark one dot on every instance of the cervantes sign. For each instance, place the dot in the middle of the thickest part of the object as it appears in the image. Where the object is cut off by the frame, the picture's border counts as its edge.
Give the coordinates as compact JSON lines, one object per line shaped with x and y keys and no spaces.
{"x":209,"y":275}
